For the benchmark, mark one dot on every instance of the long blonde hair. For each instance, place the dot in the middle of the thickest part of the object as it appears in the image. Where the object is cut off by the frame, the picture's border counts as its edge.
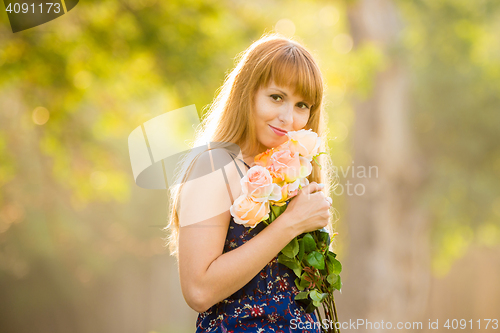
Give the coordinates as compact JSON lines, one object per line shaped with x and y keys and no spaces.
{"x":228,"y":119}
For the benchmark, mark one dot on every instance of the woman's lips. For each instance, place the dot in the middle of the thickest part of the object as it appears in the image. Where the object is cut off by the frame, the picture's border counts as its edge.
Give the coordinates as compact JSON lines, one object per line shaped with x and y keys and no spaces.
{"x":277,"y":131}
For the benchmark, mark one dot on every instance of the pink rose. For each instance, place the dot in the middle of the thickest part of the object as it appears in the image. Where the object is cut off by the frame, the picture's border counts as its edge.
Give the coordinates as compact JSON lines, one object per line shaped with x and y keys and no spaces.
{"x":248,"y":212}
{"x":304,"y":142}
{"x":289,"y":166}
{"x":258,"y":184}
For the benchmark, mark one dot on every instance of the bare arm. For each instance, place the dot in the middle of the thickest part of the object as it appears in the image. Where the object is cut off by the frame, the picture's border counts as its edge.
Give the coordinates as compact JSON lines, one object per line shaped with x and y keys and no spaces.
{"x":230,"y":271}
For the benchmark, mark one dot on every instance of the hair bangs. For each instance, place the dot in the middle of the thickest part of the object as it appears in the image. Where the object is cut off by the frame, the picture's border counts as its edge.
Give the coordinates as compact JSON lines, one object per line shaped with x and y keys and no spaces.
{"x":291,"y":69}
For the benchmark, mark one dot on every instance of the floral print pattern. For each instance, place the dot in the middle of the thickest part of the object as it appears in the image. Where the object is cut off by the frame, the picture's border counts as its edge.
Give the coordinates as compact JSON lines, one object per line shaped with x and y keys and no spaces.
{"x":265,"y":304}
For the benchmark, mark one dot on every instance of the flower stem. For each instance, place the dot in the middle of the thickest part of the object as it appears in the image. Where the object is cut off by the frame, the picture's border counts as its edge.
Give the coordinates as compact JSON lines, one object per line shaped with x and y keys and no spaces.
{"x":320,"y":320}
{"x":335,"y":311}
{"x":327,"y":315}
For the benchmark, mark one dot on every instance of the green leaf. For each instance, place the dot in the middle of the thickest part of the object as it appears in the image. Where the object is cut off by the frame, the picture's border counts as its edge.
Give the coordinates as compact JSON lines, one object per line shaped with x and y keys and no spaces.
{"x":303,"y":282}
{"x":316,"y":259}
{"x":332,"y":278}
{"x":276,"y":210}
{"x":316,"y":303}
{"x":323,"y":237}
{"x":334,"y":266}
{"x":291,"y":249}
{"x":309,"y":243}
{"x":300,"y":255}
{"x":338,"y":284}
{"x":301,"y":295}
{"x":315,"y":295}
{"x":283,"y":259}
{"x":298,"y":285}
{"x":337,"y":266}
{"x":271,"y":217}
{"x":290,"y":263}
{"x":311,"y":308}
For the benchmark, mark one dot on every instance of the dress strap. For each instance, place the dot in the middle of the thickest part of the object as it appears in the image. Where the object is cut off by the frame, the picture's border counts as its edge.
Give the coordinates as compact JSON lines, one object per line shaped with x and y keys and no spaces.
{"x":248,"y":166}
{"x":236,"y":164}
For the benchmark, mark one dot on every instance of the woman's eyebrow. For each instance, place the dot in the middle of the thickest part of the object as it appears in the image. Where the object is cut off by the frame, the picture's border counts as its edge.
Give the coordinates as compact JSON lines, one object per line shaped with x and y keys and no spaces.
{"x":281,"y":91}
{"x":284,"y":93}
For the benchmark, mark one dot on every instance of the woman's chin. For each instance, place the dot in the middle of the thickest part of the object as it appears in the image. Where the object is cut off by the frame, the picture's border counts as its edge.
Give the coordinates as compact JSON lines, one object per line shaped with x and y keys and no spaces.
{"x":281,"y":141}
{"x":273,"y":143}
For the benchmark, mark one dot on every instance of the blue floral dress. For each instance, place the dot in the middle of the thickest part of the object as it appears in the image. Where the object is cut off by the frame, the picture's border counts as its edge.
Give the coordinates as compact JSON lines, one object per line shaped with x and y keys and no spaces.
{"x":265,"y":304}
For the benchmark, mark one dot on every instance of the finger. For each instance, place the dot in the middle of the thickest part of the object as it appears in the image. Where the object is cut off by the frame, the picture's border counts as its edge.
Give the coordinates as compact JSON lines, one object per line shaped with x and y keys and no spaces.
{"x":312,"y":187}
{"x":329,"y":200}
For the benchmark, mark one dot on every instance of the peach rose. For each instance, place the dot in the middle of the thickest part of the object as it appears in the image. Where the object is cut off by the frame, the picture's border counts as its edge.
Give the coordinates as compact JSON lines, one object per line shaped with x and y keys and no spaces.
{"x":258,"y":184}
{"x":263,"y":158}
{"x":248,"y":212}
{"x":304,"y":142}
{"x":289,"y":166}
{"x":288,"y":191}
{"x":305,"y":167}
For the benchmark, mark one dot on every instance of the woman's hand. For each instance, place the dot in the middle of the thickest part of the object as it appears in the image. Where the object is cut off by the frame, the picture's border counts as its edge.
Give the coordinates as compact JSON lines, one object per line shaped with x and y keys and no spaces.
{"x":309,"y":210}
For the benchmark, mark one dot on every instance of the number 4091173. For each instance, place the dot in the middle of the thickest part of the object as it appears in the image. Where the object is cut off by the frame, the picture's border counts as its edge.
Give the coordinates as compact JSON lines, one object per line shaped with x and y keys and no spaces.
{"x":25,"y":8}
{"x":462,"y":324}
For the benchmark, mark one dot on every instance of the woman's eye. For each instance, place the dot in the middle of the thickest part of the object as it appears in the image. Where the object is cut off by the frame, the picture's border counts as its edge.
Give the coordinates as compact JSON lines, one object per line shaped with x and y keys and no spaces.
{"x":304,"y":106}
{"x":274,"y":97}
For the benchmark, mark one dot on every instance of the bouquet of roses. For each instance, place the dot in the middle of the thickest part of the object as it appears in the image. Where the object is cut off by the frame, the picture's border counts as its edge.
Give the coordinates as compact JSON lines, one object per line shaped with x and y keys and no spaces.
{"x":267,"y":188}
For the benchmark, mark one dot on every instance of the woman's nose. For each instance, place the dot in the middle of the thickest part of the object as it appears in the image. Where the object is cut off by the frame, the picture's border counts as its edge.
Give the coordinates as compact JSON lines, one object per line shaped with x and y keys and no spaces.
{"x":286,"y":115}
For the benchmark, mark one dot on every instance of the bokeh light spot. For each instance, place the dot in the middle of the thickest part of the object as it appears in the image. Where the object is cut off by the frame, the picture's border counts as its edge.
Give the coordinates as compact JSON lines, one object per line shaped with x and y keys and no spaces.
{"x":40,"y":115}
{"x":285,"y":27}
{"x":343,"y":43}
{"x":98,"y":179}
{"x":329,"y":15}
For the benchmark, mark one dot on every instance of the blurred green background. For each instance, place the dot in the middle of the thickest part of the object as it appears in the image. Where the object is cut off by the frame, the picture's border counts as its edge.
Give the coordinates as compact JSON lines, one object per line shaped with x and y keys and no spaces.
{"x":413,"y":90}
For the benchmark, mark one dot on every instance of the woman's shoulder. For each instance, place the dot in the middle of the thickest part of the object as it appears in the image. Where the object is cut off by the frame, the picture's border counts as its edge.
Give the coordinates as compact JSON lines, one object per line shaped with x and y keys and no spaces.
{"x":213,"y":181}
{"x":209,"y":161}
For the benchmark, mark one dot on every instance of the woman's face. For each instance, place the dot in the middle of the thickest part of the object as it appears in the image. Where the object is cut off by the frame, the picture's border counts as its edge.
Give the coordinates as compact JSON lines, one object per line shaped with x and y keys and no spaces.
{"x":277,"y":111}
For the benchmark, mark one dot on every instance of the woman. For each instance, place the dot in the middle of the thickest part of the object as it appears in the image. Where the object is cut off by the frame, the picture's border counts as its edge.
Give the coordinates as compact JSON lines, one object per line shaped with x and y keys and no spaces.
{"x":229,"y":273}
